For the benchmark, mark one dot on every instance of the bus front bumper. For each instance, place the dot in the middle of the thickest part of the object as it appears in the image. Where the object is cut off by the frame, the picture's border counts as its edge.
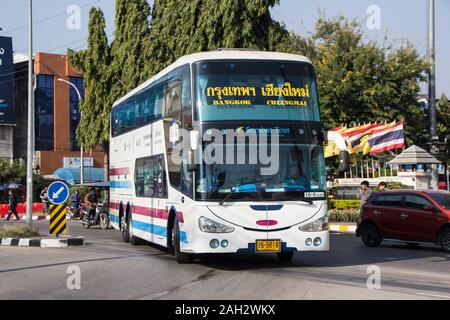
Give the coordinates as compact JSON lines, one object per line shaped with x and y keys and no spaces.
{"x":244,"y":241}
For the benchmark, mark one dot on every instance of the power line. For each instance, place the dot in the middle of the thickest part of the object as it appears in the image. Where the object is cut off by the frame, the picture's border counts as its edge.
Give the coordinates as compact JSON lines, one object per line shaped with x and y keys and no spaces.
{"x":56,"y":59}
{"x":47,"y":18}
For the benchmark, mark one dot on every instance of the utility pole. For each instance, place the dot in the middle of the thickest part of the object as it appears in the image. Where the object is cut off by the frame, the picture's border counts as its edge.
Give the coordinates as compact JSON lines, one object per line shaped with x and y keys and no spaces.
{"x":30,"y":137}
{"x":432,"y":92}
{"x":81,"y":114}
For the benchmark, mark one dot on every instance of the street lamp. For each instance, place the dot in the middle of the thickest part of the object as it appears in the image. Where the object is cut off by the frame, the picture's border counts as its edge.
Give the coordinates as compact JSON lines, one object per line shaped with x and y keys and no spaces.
{"x":81,"y":114}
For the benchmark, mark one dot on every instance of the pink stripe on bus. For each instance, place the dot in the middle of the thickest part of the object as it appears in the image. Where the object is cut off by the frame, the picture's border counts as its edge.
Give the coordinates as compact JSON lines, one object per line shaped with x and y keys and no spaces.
{"x":119,"y":171}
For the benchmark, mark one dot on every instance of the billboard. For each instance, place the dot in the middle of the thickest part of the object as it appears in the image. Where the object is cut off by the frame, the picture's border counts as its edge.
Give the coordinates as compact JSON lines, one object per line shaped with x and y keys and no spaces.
{"x":6,"y":81}
{"x":75,"y":163}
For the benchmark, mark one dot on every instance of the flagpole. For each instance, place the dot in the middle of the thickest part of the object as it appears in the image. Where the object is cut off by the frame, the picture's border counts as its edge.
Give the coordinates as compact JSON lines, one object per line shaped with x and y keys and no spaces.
{"x":373,"y":169}
{"x":367,"y":168}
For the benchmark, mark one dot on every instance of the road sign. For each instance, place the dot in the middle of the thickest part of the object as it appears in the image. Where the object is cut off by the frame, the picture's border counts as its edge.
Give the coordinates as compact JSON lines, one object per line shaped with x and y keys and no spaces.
{"x":58,"y":219}
{"x":58,"y":192}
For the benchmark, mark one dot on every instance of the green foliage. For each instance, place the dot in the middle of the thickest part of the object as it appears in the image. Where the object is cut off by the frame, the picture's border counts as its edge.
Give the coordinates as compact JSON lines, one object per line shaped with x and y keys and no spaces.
{"x":349,"y":215}
{"x":16,"y":172}
{"x":358,"y":80}
{"x":361,"y":81}
{"x":343,"y":204}
{"x":19,"y":230}
{"x":94,"y":63}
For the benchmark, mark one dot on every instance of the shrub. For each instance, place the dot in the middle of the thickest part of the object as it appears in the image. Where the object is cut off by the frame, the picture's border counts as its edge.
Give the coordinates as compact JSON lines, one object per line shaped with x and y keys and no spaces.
{"x":349,"y":215}
{"x":19,"y":230}
{"x":344,"y":204}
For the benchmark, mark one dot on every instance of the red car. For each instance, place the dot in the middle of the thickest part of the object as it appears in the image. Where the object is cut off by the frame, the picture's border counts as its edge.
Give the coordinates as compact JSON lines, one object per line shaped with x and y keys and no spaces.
{"x":412,"y":216}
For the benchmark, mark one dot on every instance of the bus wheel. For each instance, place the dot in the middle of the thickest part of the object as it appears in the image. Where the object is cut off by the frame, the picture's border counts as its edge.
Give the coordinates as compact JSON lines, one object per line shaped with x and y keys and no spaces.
{"x":125,"y":228}
{"x":285,"y":256}
{"x":181,"y":257}
{"x":133,"y":239}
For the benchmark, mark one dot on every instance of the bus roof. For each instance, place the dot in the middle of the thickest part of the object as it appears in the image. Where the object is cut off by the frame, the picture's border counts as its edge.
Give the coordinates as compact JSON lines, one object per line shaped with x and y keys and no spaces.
{"x":220,"y":54}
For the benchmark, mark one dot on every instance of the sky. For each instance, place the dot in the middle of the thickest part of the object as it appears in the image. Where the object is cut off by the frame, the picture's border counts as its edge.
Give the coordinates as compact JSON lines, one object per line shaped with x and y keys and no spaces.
{"x":57,"y":27}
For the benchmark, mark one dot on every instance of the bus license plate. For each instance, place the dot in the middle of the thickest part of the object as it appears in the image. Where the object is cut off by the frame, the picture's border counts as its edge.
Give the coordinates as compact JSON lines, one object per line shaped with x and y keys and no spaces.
{"x":268,"y":245}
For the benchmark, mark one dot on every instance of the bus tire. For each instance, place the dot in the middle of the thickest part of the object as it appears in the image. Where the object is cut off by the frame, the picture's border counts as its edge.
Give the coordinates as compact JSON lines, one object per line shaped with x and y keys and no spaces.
{"x":181,"y":257}
{"x":125,"y":227}
{"x":135,"y":241}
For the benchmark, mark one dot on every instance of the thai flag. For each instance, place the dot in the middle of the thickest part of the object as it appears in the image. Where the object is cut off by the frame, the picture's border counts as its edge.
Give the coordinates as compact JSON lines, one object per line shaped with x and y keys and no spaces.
{"x":387,"y":138}
{"x":354,"y":135}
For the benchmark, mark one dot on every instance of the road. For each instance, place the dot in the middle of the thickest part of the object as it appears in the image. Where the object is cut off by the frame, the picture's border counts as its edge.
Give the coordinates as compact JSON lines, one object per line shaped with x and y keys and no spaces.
{"x":111,"y":269}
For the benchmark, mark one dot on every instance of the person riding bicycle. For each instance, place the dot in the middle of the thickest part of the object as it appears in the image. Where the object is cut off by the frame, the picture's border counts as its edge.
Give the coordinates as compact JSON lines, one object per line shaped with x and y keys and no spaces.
{"x":90,"y":200}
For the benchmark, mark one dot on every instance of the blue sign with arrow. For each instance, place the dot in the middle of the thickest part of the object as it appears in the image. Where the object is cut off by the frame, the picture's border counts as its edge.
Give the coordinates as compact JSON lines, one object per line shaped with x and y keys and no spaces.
{"x":58,"y":192}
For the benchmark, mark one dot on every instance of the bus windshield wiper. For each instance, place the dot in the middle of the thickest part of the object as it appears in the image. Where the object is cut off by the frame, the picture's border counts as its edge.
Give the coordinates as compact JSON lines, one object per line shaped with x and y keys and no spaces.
{"x":233,"y":189}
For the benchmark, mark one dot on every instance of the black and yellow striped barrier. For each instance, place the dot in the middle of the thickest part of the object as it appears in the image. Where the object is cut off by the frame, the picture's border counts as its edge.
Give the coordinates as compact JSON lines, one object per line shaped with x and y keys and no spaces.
{"x":58,"y":219}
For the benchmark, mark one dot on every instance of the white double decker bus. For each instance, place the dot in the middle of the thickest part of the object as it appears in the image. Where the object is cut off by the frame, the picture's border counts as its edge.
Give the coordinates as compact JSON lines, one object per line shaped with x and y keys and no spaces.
{"x":250,"y":177}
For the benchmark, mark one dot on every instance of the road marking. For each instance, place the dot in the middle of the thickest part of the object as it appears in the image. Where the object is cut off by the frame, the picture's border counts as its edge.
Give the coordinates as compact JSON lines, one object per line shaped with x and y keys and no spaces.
{"x":432,"y":295}
{"x":57,"y":193}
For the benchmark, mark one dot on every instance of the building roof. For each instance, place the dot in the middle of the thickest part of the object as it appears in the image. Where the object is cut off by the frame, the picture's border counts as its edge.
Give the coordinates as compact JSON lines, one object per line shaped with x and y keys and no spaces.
{"x":414,"y":155}
{"x":72,"y":176}
{"x":216,"y":55}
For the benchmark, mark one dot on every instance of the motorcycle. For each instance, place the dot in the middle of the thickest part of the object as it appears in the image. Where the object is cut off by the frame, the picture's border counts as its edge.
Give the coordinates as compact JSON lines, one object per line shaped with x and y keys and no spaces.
{"x":75,"y":214}
{"x":88,"y":217}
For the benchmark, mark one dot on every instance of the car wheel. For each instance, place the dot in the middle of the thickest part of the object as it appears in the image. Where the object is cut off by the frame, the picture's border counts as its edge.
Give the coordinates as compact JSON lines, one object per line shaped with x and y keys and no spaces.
{"x":444,"y":240}
{"x":370,"y":235}
{"x":285,"y":256}
{"x":181,"y":257}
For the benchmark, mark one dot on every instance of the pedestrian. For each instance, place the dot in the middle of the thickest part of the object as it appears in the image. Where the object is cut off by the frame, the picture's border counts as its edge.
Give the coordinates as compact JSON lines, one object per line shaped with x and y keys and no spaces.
{"x":382,"y":186}
{"x":45,"y":201}
{"x":75,"y":202}
{"x":12,"y":206}
{"x":364,"y":192}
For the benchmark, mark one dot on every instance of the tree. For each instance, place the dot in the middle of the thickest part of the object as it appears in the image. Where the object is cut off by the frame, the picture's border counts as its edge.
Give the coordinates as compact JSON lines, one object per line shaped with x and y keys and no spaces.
{"x":181,"y":27}
{"x":360,"y":81}
{"x":94,"y":63}
{"x":443,"y":117}
{"x":128,"y":61}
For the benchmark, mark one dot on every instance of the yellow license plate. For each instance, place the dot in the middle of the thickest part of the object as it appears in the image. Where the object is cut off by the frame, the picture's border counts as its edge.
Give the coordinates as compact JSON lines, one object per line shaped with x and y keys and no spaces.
{"x":268,"y":245}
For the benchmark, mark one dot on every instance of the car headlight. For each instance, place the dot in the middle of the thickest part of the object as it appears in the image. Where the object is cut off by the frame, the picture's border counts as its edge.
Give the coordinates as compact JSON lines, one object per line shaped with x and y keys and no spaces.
{"x":207,"y":225}
{"x":320,"y":224}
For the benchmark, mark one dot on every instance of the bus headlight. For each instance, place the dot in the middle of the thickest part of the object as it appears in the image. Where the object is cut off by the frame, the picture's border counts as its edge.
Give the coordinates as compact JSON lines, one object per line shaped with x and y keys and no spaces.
{"x":207,"y":225}
{"x":320,"y":224}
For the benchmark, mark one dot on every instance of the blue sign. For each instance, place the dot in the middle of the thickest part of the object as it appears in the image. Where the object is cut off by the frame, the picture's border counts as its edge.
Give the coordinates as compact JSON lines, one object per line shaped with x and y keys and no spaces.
{"x":58,"y":192}
{"x":6,"y":81}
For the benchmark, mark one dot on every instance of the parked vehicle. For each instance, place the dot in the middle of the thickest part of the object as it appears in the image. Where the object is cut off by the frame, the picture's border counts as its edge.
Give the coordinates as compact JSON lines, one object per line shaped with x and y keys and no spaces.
{"x":413,"y":216}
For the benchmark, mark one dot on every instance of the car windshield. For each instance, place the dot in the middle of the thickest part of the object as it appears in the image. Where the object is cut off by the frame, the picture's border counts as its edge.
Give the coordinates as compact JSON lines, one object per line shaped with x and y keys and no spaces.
{"x":300,"y":169}
{"x":442,"y":198}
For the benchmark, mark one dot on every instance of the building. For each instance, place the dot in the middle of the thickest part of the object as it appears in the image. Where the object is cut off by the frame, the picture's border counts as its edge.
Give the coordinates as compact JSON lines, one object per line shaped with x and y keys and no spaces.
{"x":56,"y":114}
{"x":6,"y":99}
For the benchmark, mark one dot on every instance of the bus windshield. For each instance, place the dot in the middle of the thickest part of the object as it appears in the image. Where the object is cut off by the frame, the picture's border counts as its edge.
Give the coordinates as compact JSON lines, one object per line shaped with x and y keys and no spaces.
{"x":300,"y":169}
{"x":256,"y":90}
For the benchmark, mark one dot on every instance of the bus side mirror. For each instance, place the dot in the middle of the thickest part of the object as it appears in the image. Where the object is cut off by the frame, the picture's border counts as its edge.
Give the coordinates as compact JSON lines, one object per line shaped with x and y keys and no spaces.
{"x":344,"y":161}
{"x":194,"y":135}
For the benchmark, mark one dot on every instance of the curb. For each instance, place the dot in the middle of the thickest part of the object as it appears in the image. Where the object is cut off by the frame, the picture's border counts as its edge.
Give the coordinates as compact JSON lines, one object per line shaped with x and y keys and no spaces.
{"x":350,"y":228}
{"x":34,"y":218}
{"x":43,"y":243}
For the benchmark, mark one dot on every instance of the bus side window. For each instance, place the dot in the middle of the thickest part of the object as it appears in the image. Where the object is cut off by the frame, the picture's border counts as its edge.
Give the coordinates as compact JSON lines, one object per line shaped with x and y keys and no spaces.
{"x":186,"y":100}
{"x":160,"y":177}
{"x":114,"y":122}
{"x":172,"y":96}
